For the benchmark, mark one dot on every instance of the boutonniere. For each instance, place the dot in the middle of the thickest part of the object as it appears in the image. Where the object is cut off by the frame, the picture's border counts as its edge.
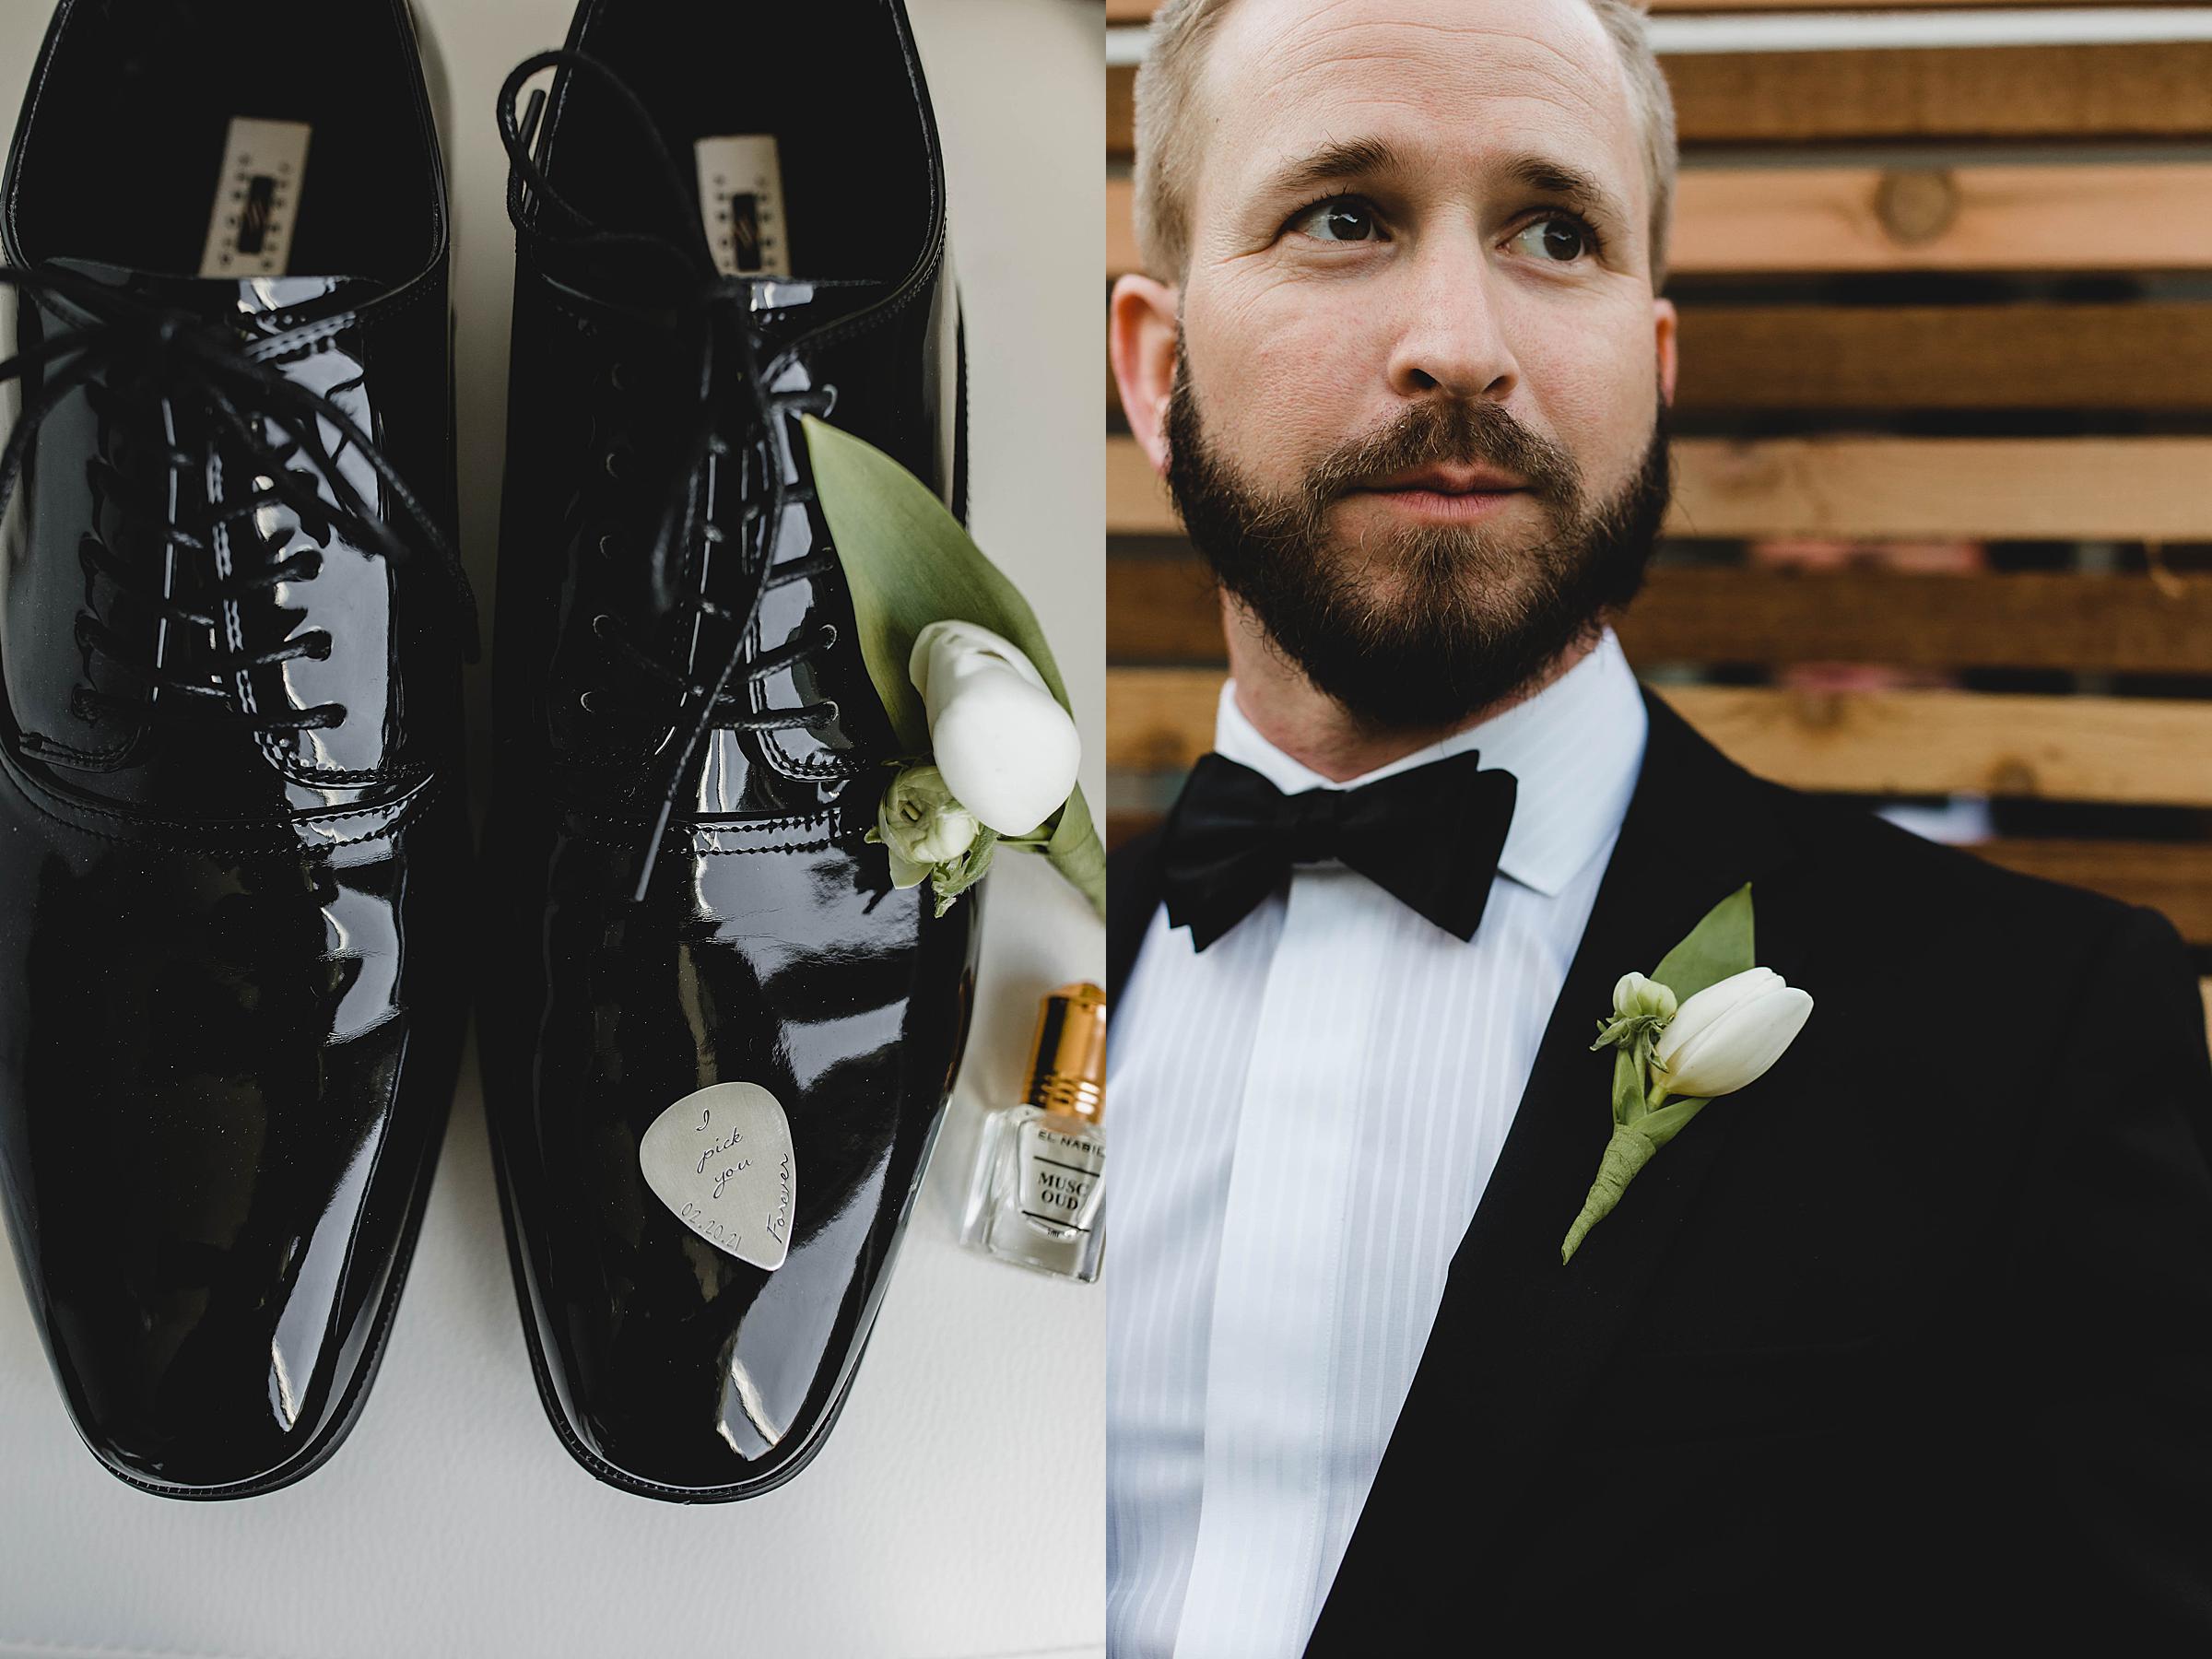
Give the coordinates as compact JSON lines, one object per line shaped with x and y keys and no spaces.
{"x":965,"y":673}
{"x":1707,"y":1021}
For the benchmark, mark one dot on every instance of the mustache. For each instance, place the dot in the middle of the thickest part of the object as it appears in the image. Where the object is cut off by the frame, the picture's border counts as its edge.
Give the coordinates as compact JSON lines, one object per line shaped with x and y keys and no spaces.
{"x":1444,"y":433}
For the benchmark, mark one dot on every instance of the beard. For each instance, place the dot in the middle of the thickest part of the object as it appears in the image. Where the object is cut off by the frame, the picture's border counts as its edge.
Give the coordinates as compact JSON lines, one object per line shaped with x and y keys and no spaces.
{"x":1426,"y":624}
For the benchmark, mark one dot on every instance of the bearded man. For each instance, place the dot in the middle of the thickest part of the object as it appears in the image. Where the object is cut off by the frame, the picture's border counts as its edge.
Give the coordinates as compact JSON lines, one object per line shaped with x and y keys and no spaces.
{"x":1907,"y":1331}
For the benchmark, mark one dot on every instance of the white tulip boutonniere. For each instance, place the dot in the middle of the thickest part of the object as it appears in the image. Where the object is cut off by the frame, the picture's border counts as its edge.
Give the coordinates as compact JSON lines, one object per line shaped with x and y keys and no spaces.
{"x":965,"y":674}
{"x":1005,"y":756}
{"x":1708,"y":1021}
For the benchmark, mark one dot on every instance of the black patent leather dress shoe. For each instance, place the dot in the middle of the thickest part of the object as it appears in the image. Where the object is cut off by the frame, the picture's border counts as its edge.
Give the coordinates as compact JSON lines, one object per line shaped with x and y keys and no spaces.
{"x":727,"y":219}
{"x":233,"y":840}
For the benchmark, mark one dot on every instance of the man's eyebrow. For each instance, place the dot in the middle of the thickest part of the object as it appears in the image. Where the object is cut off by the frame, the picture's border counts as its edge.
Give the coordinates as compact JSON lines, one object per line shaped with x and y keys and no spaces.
{"x":1571,"y":184}
{"x":1365,"y":157}
{"x":1350,"y":158}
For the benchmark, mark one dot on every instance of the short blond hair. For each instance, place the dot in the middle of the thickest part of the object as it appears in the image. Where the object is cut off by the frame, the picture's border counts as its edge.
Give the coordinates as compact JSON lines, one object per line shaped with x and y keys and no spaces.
{"x":1167,"y":86}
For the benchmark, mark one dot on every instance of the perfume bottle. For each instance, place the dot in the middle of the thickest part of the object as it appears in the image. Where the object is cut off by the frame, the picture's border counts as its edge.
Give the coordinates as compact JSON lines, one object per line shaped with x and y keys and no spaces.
{"x":1043,"y":1165}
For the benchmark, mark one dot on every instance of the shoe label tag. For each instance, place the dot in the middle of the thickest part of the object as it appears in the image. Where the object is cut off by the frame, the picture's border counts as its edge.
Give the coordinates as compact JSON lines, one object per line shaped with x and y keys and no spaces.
{"x":256,"y":199}
{"x":741,"y":205}
{"x":720,"y":1159}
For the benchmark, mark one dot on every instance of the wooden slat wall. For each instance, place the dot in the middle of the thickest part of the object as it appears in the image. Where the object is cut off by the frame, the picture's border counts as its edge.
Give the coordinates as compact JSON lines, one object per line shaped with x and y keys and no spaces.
{"x":1954,"y":298}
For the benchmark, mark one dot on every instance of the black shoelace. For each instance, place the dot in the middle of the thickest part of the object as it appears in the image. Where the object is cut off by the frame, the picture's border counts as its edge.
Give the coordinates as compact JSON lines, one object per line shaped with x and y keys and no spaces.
{"x":714,"y":313}
{"x":237,"y":393}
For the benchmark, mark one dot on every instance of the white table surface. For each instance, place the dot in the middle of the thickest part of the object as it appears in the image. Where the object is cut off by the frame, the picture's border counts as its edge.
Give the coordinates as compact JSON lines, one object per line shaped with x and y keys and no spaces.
{"x":958,"y":1507}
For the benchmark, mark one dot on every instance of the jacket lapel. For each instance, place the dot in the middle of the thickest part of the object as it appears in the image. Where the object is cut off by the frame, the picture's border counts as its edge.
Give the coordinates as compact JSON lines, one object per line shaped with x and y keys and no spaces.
{"x":1518,"y":1336}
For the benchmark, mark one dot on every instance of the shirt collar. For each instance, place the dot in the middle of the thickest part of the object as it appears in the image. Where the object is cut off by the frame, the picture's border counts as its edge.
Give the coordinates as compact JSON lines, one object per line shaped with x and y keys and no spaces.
{"x":1574,"y":748}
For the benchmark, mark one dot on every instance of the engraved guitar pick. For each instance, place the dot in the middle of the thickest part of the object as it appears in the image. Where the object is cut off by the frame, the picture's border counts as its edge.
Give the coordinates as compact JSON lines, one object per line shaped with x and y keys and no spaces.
{"x":720,"y":1159}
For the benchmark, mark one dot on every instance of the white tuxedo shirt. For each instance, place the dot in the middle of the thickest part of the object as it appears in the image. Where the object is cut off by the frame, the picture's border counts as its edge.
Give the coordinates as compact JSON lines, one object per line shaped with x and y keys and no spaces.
{"x":1304,"y":1117}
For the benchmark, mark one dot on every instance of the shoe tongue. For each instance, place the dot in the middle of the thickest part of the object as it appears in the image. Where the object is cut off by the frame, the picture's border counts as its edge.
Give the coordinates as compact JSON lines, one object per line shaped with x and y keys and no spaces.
{"x":257,"y":304}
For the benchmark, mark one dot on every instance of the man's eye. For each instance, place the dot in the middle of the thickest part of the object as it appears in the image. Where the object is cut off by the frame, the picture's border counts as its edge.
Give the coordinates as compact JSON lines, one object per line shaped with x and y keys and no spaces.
{"x":1559,"y":238}
{"x":1341,"y":218}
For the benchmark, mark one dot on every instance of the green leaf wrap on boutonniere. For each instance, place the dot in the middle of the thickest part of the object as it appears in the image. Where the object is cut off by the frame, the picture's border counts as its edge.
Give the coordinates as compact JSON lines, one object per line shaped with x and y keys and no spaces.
{"x":1706,"y":1022}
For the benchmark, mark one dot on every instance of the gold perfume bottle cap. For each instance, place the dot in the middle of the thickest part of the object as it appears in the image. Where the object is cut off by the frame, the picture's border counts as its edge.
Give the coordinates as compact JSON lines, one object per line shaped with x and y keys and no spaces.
{"x":1067,"y":1062}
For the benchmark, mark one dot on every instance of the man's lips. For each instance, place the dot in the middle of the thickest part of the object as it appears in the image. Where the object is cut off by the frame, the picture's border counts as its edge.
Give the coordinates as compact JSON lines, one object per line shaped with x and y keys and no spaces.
{"x":1447,"y":480}
{"x":1447,"y":494}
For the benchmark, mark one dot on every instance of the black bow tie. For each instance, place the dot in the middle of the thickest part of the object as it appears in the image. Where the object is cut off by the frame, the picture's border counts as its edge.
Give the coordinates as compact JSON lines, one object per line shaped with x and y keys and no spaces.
{"x":1429,"y":837}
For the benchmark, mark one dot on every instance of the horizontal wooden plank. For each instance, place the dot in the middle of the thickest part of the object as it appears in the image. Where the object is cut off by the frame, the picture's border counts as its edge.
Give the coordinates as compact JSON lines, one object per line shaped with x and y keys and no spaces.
{"x":2152,"y":358}
{"x":2108,"y":92}
{"x":2036,"y":620}
{"x":2051,"y":217}
{"x":2137,"y":750}
{"x":2112,"y":90}
{"x":2054,"y":217}
{"x":1163,"y":610}
{"x":1874,"y":488}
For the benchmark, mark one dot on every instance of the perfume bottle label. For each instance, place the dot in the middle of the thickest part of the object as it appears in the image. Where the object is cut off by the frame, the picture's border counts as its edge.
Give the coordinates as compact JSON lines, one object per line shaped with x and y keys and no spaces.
{"x":1060,"y":1180}
{"x":720,"y":1159}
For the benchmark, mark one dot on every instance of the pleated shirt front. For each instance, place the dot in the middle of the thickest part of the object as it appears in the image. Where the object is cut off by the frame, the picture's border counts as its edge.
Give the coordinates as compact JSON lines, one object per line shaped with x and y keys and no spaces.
{"x":1302,"y":1119}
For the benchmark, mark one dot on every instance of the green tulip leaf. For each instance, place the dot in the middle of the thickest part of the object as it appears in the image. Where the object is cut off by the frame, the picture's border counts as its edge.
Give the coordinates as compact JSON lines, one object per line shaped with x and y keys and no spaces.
{"x":1076,"y":851}
{"x":1717,"y":946}
{"x":909,"y":563}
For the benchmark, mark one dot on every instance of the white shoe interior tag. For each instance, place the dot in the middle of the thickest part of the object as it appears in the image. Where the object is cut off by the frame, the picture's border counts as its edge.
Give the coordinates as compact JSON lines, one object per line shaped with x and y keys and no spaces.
{"x":741,"y":205}
{"x":720,"y":1159}
{"x":256,"y":199}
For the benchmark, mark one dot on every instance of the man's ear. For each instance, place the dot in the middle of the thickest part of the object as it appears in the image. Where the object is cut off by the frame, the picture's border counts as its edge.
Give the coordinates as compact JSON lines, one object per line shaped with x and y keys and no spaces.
{"x":1664,"y":320}
{"x":1140,"y":339}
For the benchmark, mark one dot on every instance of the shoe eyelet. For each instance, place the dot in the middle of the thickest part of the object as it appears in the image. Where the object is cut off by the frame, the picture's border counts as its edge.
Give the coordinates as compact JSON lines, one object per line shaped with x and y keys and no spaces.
{"x":829,"y":635}
{"x":616,"y":462}
{"x":584,"y":702}
{"x":610,"y":545}
{"x":617,"y":375}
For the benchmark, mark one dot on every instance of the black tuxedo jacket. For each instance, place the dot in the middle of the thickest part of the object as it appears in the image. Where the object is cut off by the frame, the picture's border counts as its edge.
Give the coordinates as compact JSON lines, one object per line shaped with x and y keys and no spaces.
{"x":1911,"y":1339}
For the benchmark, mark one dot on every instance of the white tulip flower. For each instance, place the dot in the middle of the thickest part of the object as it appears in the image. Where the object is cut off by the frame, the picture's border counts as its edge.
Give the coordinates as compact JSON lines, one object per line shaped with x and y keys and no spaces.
{"x":1006,"y":748}
{"x":1728,"y":1034}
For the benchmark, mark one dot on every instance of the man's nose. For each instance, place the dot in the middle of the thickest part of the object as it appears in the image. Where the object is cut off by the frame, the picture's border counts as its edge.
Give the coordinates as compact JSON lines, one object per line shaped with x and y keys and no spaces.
{"x":1452,"y":335}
